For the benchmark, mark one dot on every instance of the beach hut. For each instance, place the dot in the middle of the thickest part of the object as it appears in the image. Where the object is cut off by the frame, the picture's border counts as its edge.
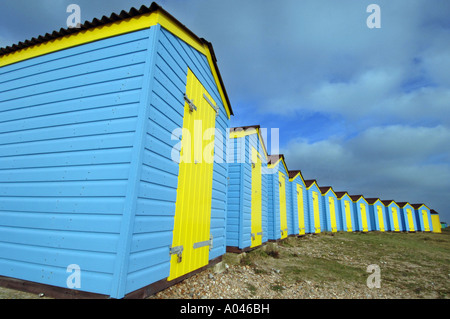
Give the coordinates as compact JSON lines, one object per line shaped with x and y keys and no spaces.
{"x":278,"y":184}
{"x":109,"y":184}
{"x":377,"y":214}
{"x":329,"y":204}
{"x":407,"y":216}
{"x":361,"y":210}
{"x":300,"y":217}
{"x":435,"y":221}
{"x":423,"y":217}
{"x":315,"y":207}
{"x":247,"y":190}
{"x":345,"y":211}
{"x":392,"y":215}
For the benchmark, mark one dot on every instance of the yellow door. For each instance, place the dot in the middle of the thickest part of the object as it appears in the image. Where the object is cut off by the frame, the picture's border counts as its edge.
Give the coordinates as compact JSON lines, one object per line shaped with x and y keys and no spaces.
{"x":332,"y":214}
{"x":300,"y":210}
{"x":436,"y":222}
{"x":363,"y":217}
{"x":348,"y":216}
{"x":283,"y":216}
{"x":191,"y":235}
{"x":380,"y":217}
{"x":426,"y":223}
{"x":395,"y":218}
{"x":256,"y":200}
{"x":410,"y":219}
{"x":315,"y":197}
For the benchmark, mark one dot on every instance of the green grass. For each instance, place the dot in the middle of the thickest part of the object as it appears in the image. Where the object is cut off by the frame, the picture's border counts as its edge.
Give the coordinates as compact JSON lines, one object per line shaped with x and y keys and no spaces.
{"x":415,"y":262}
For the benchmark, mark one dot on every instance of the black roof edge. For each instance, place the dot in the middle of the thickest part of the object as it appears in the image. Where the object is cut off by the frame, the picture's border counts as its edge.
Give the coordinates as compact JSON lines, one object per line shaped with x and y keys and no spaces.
{"x":113,"y":18}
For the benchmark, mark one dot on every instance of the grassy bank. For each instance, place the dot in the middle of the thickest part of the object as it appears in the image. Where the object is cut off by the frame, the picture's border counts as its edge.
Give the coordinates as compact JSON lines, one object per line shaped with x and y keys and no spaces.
{"x":412,"y":265}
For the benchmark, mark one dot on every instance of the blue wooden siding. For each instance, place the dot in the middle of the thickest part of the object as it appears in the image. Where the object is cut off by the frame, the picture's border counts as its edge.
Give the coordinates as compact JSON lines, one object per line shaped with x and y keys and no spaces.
{"x":254,"y":142}
{"x":86,"y":169}
{"x":239,"y":194}
{"x":294,"y":201}
{"x":326,"y":217}
{"x":272,"y":208}
{"x":389,"y":216}
{"x":68,"y":129}
{"x":343,"y":216}
{"x":155,"y":209}
{"x":290,"y":209}
{"x":234,"y":192}
{"x":358,"y":216}
{"x":374,"y":219}
{"x":274,"y":200}
{"x":404,"y":217}
{"x":419,"y":218}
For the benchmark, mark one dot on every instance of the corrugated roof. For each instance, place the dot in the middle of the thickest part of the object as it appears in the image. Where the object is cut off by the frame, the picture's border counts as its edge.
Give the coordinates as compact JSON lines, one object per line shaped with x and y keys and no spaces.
{"x":402,"y":204}
{"x":309,"y":182}
{"x":292,"y":174}
{"x":324,"y":189}
{"x":275,"y":158}
{"x":244,"y":128}
{"x":133,"y":12}
{"x":356,"y":197}
{"x":340,"y":194}
{"x":114,"y":17}
{"x":371,"y":200}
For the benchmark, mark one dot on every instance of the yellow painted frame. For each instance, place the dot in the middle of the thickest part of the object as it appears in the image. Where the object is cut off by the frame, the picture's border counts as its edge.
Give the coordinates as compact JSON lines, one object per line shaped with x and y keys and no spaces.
{"x":436,"y":222}
{"x":380,"y":217}
{"x":300,"y":210}
{"x":256,"y":204}
{"x":395,"y":219}
{"x":192,"y":220}
{"x":426,"y":222}
{"x":113,"y":29}
{"x":332,"y":207}
{"x":363,"y":210}
{"x":316,"y":213}
{"x":410,"y":219}
{"x":251,"y":131}
{"x":348,"y":216}
{"x":282,"y":200}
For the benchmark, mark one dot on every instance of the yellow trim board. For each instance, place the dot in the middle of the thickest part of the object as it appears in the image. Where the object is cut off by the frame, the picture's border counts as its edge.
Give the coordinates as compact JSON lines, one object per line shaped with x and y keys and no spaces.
{"x":113,"y":29}
{"x":330,"y":189}
{"x":239,"y":134}
{"x":355,"y":201}
{"x":313,"y":185}
{"x":251,"y":131}
{"x":276,"y":164}
{"x":84,"y":36}
{"x":296,"y":175}
{"x":378,"y":200}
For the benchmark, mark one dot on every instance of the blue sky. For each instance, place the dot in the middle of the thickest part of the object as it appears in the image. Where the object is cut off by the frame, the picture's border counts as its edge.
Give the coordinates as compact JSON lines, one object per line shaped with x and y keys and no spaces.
{"x":362,"y":110}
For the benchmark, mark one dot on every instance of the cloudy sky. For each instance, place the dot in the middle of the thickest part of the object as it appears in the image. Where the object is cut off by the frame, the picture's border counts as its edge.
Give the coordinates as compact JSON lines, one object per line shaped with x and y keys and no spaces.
{"x":362,"y":110}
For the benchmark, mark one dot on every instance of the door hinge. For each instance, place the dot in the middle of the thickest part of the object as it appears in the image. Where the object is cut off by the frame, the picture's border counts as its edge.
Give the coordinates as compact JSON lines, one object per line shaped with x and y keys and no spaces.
{"x":178,"y":250}
{"x":216,"y":109}
{"x":190,"y":103}
{"x":204,"y":243}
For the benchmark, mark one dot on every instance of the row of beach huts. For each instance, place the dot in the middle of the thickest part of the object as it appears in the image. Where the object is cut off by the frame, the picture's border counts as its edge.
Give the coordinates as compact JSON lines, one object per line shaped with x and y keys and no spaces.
{"x":106,"y":184}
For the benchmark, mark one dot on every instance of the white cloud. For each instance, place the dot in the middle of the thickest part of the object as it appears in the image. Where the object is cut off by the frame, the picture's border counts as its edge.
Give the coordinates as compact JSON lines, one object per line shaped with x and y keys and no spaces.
{"x":394,"y":162}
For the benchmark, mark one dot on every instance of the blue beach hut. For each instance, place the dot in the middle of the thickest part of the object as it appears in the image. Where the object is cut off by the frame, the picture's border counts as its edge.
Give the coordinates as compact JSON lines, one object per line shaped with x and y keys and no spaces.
{"x":103,"y":169}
